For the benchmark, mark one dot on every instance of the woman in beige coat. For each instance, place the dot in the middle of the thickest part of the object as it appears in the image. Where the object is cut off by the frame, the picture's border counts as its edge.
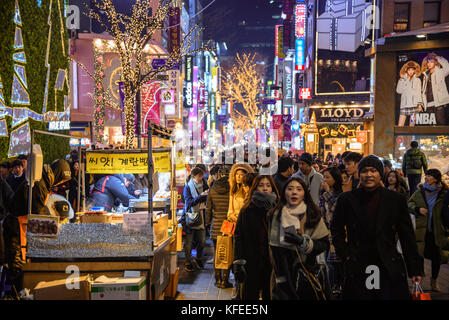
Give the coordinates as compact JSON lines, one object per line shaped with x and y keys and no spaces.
{"x":237,"y":194}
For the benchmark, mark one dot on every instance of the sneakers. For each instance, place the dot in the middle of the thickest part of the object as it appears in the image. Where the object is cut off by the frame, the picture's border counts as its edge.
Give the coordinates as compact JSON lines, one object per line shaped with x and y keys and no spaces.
{"x":189,"y":268}
{"x":199,"y":263}
{"x":225,"y":285}
{"x":434,"y":285}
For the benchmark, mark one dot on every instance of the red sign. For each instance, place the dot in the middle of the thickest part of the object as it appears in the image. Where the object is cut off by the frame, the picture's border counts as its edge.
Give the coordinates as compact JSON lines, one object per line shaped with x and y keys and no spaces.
{"x":362,"y":136}
{"x":277,"y":121}
{"x":149,"y":97}
{"x":305,"y":93}
{"x":300,"y":20}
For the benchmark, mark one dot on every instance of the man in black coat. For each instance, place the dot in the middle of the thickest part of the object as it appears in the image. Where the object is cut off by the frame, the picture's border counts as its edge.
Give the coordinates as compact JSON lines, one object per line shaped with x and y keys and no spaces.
{"x":364,"y":226}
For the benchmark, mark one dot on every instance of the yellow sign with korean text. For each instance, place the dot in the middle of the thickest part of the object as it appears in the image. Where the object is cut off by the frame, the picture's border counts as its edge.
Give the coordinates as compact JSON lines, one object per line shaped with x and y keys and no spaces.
{"x":111,"y":163}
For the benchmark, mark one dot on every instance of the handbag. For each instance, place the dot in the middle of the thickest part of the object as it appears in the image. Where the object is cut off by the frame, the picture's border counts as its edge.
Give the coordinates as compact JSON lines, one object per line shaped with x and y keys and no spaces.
{"x":224,"y":253}
{"x":228,"y":227}
{"x":418,"y":293}
{"x":193,"y":219}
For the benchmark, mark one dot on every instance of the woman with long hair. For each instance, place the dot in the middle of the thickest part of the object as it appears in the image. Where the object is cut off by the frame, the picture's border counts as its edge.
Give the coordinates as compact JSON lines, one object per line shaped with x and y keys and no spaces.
{"x":297,"y":235}
{"x":237,"y":194}
{"x":332,"y":188}
{"x":431,"y":237}
{"x":251,"y":238}
{"x":393,"y":182}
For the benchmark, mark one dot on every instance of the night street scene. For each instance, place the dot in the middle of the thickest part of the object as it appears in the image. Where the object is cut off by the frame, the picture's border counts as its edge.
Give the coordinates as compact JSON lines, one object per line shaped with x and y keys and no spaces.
{"x":224,"y":156}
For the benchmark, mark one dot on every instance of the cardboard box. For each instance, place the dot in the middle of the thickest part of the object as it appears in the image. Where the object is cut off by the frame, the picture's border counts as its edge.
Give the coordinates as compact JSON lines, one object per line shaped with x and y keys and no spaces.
{"x":160,"y":228}
{"x":172,"y":287}
{"x":96,"y":218}
{"x":104,"y":288}
{"x":58,"y":289}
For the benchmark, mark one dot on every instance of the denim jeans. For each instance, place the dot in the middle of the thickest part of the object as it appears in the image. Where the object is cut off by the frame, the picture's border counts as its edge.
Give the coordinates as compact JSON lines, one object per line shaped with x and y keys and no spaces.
{"x":198,"y":237}
{"x":413,"y":181}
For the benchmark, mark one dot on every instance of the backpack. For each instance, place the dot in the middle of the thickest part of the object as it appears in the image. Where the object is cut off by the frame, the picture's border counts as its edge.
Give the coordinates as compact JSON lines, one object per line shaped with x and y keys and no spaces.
{"x":415,"y":163}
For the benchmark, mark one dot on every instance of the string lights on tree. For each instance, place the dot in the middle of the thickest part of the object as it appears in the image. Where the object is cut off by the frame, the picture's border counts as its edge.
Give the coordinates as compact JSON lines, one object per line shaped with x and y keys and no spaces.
{"x":242,"y":85}
{"x":131,"y":37}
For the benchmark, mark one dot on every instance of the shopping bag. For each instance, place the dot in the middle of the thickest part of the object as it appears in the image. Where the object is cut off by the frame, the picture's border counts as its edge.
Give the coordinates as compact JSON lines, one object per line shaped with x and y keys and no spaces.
{"x":224,"y":253}
{"x":418,"y":293}
{"x":227,"y":227}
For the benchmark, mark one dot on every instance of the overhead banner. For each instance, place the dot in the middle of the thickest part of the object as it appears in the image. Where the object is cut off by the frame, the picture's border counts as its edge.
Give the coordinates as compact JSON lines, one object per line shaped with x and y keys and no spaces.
{"x":288,"y":94}
{"x":112,"y":163}
{"x":422,"y":97}
{"x":150,"y":102}
{"x":175,"y":28}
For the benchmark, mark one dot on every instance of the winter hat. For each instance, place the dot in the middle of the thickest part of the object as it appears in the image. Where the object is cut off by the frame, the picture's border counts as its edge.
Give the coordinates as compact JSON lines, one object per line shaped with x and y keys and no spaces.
{"x":372,"y":161}
{"x":307,"y":158}
{"x":434,"y":173}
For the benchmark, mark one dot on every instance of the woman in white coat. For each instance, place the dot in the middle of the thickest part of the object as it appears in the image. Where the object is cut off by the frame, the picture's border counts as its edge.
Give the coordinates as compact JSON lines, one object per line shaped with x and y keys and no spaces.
{"x":435,"y":96}
{"x":409,"y":87}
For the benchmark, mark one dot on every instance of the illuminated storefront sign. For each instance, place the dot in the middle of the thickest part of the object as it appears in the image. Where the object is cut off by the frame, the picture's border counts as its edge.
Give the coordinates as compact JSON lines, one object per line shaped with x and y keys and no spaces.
{"x":58,"y":125}
{"x":188,"y":96}
{"x":280,"y":42}
{"x":299,"y":54}
{"x":305,"y":93}
{"x":300,"y":20}
{"x":342,"y":113}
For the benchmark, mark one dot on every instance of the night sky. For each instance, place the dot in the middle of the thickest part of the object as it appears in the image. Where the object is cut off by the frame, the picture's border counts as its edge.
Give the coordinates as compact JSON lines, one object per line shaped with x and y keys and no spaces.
{"x":225,"y":20}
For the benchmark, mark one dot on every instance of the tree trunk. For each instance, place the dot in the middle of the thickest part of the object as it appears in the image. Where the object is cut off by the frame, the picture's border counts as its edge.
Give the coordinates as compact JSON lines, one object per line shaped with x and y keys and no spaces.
{"x":130,"y":104}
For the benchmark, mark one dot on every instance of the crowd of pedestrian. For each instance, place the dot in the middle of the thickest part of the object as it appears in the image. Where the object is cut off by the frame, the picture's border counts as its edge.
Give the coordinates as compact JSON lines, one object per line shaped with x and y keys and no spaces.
{"x":315,"y":228}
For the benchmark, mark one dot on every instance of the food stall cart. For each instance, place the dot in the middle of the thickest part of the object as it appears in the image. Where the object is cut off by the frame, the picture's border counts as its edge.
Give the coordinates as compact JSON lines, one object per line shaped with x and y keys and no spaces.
{"x":141,"y":239}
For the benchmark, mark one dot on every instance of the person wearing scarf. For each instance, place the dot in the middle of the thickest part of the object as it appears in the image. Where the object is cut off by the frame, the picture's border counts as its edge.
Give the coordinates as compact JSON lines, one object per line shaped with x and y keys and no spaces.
{"x":427,"y":206}
{"x":296,"y":228}
{"x":251,"y":238}
{"x":195,"y":197}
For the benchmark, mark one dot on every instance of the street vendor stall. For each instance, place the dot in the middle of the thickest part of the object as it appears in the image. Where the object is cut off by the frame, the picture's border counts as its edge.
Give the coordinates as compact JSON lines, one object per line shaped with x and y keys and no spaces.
{"x":115,"y":247}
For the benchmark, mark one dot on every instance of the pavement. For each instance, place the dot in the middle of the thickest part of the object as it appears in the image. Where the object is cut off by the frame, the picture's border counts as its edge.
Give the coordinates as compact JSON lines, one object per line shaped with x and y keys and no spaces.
{"x":199,"y":285}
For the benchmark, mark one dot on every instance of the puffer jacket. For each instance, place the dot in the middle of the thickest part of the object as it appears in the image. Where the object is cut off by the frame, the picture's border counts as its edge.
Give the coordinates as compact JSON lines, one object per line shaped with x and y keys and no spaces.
{"x":236,"y":202}
{"x":217,"y":205}
{"x":440,"y":231}
{"x":107,"y":190}
{"x":56,"y":173}
{"x":414,"y":160}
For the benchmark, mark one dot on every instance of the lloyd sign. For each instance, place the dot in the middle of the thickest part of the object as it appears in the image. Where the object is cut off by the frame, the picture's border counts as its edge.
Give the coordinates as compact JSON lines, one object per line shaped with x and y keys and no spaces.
{"x":341,"y":114}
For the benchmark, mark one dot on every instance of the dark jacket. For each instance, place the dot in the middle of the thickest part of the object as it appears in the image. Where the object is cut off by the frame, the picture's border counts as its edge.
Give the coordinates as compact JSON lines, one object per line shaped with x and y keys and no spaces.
{"x":446,"y":210}
{"x":280,"y":181}
{"x":348,"y":230}
{"x":107,"y":190}
{"x":217,"y":206}
{"x":440,"y":231}
{"x":14,"y":182}
{"x":251,"y":244}
{"x":414,"y":160}
{"x":189,"y":202}
{"x":52,"y":175}
{"x":286,"y":265}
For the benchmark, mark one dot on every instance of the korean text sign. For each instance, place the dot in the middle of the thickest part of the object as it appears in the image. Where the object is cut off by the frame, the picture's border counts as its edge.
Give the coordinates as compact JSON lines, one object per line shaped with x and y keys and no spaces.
{"x":125,"y":162}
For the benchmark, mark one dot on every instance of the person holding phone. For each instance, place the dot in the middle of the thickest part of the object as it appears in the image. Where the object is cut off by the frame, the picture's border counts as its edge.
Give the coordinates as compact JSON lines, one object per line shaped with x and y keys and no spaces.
{"x":297,"y":235}
{"x":195,"y":197}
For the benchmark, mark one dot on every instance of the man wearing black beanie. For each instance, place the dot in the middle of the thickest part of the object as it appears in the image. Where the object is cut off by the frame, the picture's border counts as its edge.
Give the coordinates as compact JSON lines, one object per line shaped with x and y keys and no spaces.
{"x":364,"y":226}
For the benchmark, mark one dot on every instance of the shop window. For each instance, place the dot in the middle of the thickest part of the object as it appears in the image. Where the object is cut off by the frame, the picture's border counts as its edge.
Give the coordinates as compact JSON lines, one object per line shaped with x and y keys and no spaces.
{"x":435,"y":147}
{"x":431,"y":13}
{"x":401,"y":16}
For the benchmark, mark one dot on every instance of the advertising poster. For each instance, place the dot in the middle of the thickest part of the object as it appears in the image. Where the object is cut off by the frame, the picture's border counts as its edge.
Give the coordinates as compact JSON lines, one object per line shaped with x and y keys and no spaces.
{"x":283,"y":124}
{"x":150,"y":101}
{"x":342,"y":31}
{"x":422,"y":83}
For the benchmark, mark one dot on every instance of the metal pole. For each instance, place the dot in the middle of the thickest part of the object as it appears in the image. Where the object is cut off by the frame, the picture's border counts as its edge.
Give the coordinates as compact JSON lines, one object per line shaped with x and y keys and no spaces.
{"x":150,"y":179}
{"x":30,"y":175}
{"x":79,"y":177}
